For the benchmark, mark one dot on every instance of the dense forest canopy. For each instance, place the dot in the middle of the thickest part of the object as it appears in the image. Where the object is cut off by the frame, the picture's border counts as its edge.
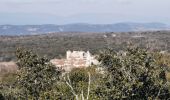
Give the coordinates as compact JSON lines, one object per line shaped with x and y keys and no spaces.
{"x":55,"y":45}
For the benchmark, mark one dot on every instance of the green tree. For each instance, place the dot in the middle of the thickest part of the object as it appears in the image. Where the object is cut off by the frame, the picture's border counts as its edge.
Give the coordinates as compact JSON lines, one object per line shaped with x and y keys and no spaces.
{"x":133,"y":74}
{"x":81,"y":83}
{"x":1,"y":97}
{"x":36,"y":75}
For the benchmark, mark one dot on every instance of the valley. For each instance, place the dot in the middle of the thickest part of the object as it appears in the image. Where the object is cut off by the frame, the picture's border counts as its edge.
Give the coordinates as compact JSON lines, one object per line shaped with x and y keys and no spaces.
{"x":54,"y":45}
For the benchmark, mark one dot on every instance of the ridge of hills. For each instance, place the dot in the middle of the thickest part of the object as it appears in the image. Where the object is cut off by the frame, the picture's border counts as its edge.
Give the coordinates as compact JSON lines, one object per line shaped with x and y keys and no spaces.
{"x":80,"y":27}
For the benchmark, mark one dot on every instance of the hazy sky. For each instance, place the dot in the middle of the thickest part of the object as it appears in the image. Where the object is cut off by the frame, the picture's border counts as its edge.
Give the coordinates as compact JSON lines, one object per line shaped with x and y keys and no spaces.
{"x":83,"y":11}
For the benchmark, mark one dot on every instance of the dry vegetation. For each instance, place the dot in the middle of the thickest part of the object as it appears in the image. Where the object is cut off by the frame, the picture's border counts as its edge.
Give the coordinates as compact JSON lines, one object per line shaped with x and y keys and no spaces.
{"x":7,"y":67}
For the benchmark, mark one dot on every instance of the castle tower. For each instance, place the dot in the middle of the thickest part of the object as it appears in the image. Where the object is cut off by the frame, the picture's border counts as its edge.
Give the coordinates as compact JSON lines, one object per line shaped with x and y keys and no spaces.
{"x":68,"y":54}
{"x":88,"y":58}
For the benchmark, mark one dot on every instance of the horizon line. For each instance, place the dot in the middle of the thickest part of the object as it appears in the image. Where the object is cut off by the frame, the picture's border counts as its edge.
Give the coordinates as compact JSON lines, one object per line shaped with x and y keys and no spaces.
{"x":129,"y":22}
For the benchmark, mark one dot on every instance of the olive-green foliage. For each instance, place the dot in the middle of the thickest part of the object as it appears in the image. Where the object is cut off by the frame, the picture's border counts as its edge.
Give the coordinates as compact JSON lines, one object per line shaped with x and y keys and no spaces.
{"x":79,"y":80}
{"x":134,"y":75}
{"x":7,"y":88}
{"x":163,"y":59}
{"x":1,"y":97}
{"x":9,"y":78}
{"x":10,"y":92}
{"x":55,"y":45}
{"x":36,"y":75}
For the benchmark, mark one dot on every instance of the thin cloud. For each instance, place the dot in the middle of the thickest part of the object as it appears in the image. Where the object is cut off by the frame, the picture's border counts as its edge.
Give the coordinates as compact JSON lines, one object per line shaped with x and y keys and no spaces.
{"x":117,"y":10}
{"x":124,"y":1}
{"x":30,"y":1}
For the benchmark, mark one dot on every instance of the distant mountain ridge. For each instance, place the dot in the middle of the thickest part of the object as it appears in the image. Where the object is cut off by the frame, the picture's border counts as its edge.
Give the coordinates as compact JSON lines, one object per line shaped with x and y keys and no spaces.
{"x":80,"y":27}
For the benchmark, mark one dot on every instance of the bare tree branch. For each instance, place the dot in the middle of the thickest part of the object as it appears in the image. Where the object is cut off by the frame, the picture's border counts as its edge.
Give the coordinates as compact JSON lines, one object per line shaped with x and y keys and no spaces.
{"x":69,"y":84}
{"x":88,"y":92}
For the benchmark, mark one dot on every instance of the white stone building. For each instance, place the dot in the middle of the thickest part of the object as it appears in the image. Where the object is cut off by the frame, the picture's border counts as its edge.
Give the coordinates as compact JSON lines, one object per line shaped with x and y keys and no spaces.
{"x":75,"y":59}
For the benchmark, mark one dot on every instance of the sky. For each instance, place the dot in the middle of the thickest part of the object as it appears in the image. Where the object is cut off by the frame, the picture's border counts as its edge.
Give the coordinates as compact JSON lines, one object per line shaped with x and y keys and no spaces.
{"x":22,"y":12}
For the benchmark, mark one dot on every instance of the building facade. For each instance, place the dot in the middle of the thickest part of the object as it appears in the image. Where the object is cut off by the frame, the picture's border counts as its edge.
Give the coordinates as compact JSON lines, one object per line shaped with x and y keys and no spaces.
{"x":75,"y":59}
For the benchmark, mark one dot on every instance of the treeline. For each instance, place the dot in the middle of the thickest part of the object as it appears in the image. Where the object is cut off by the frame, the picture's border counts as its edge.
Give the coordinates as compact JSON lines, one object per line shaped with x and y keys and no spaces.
{"x":55,"y":45}
{"x":134,"y":74}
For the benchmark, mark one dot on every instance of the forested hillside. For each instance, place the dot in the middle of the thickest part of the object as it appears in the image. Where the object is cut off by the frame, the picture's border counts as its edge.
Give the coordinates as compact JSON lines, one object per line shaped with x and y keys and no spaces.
{"x":56,"y":44}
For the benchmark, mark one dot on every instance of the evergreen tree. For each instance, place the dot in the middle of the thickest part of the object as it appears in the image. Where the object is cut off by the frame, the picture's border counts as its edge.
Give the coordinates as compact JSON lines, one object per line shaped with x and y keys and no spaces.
{"x":133,"y":74}
{"x":36,"y":74}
